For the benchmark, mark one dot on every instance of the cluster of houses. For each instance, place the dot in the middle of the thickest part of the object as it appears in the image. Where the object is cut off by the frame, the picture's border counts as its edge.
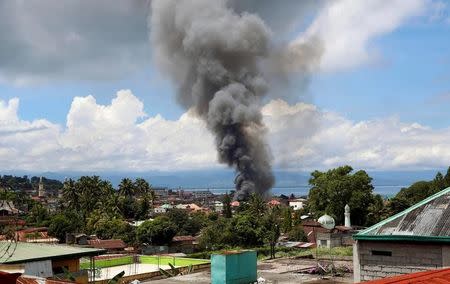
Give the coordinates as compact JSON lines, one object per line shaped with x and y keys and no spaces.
{"x":415,"y":240}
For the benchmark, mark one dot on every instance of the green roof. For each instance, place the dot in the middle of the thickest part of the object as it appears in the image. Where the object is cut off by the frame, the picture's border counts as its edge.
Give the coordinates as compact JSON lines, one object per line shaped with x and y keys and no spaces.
{"x":20,"y":252}
{"x":427,"y":221}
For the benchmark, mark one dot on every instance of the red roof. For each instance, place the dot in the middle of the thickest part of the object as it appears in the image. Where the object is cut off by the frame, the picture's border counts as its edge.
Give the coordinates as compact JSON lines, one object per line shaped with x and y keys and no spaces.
{"x":107,"y":244}
{"x":235,"y":203}
{"x":440,"y":276}
{"x":183,"y":239}
{"x":274,"y":202}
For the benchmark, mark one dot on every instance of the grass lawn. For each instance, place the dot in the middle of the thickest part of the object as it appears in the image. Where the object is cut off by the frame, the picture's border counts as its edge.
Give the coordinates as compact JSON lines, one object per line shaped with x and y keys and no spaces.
{"x":102,"y":263}
{"x":321,"y":252}
{"x":177,"y":261}
{"x":147,"y":259}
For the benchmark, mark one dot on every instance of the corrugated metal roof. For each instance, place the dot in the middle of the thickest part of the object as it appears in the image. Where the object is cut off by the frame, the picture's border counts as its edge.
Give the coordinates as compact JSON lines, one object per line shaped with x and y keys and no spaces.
{"x":26,"y":252}
{"x":107,"y":244}
{"x":441,"y":276}
{"x":426,"y":220}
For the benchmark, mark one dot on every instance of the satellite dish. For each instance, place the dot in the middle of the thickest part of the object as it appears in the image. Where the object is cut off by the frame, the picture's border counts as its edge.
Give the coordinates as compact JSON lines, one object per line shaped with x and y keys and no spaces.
{"x":327,"y":222}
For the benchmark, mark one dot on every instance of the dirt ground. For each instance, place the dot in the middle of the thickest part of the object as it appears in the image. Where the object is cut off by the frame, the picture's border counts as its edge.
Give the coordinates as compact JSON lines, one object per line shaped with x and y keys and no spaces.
{"x":276,"y":271}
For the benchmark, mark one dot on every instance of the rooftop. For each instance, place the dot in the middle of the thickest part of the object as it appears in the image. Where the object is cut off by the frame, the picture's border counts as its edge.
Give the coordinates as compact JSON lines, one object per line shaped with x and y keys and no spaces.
{"x":107,"y":244}
{"x":26,"y":252}
{"x":428,"y":221}
{"x":440,"y":276}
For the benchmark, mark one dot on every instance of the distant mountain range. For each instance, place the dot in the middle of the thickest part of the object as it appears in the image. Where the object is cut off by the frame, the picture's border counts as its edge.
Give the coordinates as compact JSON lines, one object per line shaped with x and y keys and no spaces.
{"x":225,"y":178}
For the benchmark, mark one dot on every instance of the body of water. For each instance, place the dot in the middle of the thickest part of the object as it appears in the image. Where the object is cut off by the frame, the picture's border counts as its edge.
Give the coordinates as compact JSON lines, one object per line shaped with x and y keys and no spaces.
{"x":302,"y":190}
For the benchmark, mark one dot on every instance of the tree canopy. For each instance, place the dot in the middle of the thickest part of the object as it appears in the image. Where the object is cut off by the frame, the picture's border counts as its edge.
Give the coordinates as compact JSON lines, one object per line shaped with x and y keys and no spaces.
{"x":333,"y":189}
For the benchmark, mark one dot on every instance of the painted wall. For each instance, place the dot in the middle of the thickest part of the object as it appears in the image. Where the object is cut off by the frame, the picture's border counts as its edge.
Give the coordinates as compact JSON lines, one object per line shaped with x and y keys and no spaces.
{"x":374,"y":260}
{"x":233,"y":267}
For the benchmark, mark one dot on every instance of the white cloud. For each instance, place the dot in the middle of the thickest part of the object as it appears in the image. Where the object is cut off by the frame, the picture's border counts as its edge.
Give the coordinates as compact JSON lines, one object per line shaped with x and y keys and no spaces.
{"x":120,"y":136}
{"x":72,"y":40}
{"x":348,"y":27}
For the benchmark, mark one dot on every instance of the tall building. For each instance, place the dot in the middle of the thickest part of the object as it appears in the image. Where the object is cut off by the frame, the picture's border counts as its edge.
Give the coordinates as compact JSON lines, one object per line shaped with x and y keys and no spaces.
{"x":41,"y":189}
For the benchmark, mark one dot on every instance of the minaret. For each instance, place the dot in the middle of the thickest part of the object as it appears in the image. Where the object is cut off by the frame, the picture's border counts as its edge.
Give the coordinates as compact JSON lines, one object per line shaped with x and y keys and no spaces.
{"x":347,"y":216}
{"x":41,"y":191}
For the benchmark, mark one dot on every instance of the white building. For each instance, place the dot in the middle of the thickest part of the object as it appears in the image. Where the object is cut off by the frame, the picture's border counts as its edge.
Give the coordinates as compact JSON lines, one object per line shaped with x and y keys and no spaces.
{"x":218,"y":206}
{"x":297,"y":204}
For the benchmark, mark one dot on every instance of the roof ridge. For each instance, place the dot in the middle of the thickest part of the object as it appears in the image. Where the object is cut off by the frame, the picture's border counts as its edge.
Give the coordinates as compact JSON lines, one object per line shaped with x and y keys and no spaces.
{"x":404,"y":212}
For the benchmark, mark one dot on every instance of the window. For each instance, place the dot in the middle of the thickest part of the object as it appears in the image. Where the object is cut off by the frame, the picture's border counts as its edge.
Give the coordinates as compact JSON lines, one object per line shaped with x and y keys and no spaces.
{"x":382,"y":252}
{"x":323,"y":243}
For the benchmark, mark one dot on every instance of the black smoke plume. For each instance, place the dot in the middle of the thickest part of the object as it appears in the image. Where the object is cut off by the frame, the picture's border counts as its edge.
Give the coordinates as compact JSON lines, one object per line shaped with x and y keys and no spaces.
{"x":213,"y":56}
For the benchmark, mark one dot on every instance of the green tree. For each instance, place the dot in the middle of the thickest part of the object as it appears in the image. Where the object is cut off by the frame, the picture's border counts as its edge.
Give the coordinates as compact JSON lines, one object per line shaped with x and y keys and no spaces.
{"x":227,"y":213}
{"x":397,"y":204}
{"x":70,"y":197}
{"x":297,"y":234}
{"x":217,"y":235}
{"x":109,"y":227}
{"x":257,"y":205}
{"x":127,"y":188}
{"x":143,"y":207}
{"x":287,"y":219}
{"x":247,"y":230}
{"x":333,"y":189}
{"x":160,"y":231}
{"x":93,"y":193}
{"x":142,"y":187}
{"x":178,"y":217}
{"x":38,"y":215}
{"x":61,"y":224}
{"x":271,"y":231}
{"x":376,"y":211}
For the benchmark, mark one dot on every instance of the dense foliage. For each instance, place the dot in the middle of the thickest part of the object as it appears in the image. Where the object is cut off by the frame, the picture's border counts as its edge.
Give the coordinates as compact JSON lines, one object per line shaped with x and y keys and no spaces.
{"x":91,"y":205}
{"x":417,"y":192}
{"x":333,"y":189}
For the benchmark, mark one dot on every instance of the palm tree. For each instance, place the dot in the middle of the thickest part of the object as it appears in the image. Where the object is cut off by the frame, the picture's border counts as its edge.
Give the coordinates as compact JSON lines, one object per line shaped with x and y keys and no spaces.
{"x":257,"y":204}
{"x":152,"y":196}
{"x":70,"y":195}
{"x":126,"y":188}
{"x":142,"y":186}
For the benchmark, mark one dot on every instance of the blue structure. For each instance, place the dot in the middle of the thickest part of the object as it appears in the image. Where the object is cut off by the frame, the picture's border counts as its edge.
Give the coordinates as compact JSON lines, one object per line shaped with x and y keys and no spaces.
{"x":234,"y":267}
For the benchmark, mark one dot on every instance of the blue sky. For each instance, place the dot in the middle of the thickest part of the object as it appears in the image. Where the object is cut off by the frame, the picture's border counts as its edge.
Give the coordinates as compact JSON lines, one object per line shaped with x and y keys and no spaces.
{"x":404,"y":73}
{"x":410,"y":83}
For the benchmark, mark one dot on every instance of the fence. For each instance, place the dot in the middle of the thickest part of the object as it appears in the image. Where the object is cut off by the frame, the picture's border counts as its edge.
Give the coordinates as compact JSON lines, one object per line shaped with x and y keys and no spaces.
{"x":109,"y":262}
{"x":159,"y":260}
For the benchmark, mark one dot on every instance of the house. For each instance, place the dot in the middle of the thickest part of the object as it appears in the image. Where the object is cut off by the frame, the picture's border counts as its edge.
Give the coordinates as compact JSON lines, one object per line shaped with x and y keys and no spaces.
{"x":162,"y":209}
{"x":182,"y":206}
{"x":336,"y":237}
{"x":183,"y":244}
{"x":218,"y":206}
{"x":159,"y":210}
{"x":235,"y":204}
{"x":35,"y":235}
{"x":416,"y":239}
{"x":161,"y":192}
{"x":297,"y":204}
{"x":202,"y":194}
{"x":45,"y":260}
{"x":273,"y":203}
{"x":194,"y":207}
{"x":112,"y":246}
{"x":79,"y":239}
{"x":7,"y":208}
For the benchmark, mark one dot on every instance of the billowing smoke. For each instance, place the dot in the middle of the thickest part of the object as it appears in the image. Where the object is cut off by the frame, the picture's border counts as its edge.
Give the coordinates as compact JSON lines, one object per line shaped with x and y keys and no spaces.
{"x":213,"y":56}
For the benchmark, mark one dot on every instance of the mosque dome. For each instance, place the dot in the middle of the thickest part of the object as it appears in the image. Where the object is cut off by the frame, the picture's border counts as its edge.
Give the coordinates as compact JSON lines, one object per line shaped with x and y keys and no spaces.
{"x":327,"y":222}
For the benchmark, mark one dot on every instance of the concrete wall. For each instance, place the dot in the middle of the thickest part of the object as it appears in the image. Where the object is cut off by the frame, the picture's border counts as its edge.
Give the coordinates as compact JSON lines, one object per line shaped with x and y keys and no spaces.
{"x":333,"y":239}
{"x":404,"y":258}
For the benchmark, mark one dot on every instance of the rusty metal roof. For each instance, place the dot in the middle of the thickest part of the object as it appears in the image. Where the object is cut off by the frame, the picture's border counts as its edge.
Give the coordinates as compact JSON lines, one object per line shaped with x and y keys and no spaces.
{"x":441,"y":276}
{"x":428,"y":220}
